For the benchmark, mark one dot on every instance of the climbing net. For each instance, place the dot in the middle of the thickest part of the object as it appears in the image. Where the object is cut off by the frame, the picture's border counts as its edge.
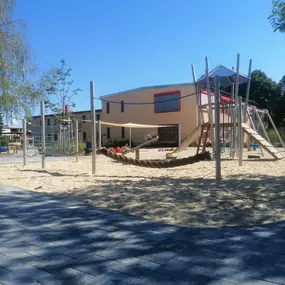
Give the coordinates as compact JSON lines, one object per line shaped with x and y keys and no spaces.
{"x":59,"y":138}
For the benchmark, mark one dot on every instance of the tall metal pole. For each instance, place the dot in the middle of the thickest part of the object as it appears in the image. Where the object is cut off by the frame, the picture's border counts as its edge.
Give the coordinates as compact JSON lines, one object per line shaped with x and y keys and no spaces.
{"x":100,"y":133}
{"x":240,"y":136}
{"x":198,"y":95}
{"x":217,"y":129}
{"x":247,"y":91}
{"x":93,"y":120}
{"x":43,"y":133}
{"x":24,"y":142}
{"x":76,"y":140}
{"x":130,"y":137}
{"x":210,"y":112}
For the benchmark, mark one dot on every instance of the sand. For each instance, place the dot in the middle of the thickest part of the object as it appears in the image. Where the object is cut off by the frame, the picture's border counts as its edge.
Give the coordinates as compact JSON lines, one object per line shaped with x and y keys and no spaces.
{"x":252,"y":194}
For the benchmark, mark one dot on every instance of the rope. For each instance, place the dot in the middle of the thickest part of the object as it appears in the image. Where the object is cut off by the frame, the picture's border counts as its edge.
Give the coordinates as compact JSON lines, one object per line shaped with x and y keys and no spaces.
{"x":147,"y":103}
{"x":155,"y":163}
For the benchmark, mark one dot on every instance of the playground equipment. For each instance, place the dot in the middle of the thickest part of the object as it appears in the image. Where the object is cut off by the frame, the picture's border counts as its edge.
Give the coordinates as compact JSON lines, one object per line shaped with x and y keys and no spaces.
{"x":150,"y":139}
{"x":155,"y":163}
{"x":57,"y":142}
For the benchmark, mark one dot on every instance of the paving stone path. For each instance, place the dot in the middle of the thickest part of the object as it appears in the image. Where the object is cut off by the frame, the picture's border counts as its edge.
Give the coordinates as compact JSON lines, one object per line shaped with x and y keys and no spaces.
{"x":45,"y":240}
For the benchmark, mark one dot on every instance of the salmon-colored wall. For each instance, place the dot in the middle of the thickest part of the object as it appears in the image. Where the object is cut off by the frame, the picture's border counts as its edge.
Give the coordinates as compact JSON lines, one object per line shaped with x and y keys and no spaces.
{"x":144,"y":114}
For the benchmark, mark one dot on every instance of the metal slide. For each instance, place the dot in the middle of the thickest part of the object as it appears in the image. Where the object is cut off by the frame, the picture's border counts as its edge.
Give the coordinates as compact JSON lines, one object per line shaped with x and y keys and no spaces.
{"x":189,"y":139}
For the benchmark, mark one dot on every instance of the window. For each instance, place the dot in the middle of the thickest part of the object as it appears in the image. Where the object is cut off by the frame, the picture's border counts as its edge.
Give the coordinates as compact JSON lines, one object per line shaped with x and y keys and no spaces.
{"x":84,"y":136}
{"x":169,"y":135}
{"x":122,"y":132}
{"x":55,"y":137}
{"x":97,"y":117}
{"x":108,"y":108}
{"x":49,"y":137}
{"x":48,"y":122}
{"x":122,"y":106}
{"x":167,"y":102}
{"x":108,"y":133}
{"x":84,"y":118}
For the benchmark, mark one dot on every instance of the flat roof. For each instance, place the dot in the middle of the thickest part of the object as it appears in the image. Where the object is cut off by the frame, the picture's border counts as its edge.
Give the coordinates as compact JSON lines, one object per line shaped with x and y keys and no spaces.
{"x":76,"y":112}
{"x":146,"y":88}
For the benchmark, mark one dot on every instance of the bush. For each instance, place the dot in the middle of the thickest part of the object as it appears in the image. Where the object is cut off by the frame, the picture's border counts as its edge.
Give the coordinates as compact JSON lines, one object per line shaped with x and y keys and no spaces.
{"x":4,"y":140}
{"x":274,"y":138}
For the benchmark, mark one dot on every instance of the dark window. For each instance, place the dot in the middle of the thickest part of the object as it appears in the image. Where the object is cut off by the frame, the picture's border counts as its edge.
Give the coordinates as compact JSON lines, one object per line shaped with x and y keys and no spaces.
{"x":122,"y":132}
{"x":108,"y":133}
{"x":97,"y":117}
{"x":55,"y":137}
{"x":169,"y":135}
{"x":48,"y":122}
{"x":122,"y":107}
{"x":108,"y":108}
{"x":84,"y":136}
{"x":167,"y":102}
{"x":49,"y":137}
{"x":84,"y":118}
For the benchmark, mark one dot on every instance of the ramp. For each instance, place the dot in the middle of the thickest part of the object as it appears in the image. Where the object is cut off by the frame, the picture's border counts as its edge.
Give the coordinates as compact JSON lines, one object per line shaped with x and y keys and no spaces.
{"x":264,"y":143}
{"x":189,"y":139}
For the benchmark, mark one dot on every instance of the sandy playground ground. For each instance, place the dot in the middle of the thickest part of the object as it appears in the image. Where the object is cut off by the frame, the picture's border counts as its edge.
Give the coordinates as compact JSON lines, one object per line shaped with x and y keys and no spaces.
{"x":249,"y":195}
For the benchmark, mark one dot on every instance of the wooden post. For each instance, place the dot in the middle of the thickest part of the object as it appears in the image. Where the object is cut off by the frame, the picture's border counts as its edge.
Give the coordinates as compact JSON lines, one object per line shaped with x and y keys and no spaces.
{"x":93,"y":119}
{"x":130,"y":137}
{"x":137,"y":154}
{"x":210,"y":111}
{"x":100,"y":133}
{"x":240,"y":136}
{"x":24,"y":142}
{"x":76,"y":140}
{"x":179,"y":134}
{"x":217,"y":129}
{"x":43,"y":135}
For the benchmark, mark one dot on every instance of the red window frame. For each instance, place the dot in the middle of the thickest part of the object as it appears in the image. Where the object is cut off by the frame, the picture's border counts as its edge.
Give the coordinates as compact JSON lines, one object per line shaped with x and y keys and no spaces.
{"x":177,"y":92}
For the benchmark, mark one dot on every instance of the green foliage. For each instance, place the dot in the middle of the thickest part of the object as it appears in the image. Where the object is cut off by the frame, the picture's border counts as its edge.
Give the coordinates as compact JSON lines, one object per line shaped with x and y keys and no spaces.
{"x":277,"y":16}
{"x":274,"y":138}
{"x":18,"y":91}
{"x":4,"y":140}
{"x":60,"y":85}
{"x":266,"y":94}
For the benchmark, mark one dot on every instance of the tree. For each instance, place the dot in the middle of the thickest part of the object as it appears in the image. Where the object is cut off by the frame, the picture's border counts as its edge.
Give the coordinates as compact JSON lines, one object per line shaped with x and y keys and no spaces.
{"x":60,"y":85}
{"x":277,"y":17}
{"x":18,"y":93}
{"x":266,"y":94}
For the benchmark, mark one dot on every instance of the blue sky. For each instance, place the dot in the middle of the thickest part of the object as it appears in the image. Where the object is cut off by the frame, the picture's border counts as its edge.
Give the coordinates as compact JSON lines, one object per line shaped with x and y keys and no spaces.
{"x":128,"y":44}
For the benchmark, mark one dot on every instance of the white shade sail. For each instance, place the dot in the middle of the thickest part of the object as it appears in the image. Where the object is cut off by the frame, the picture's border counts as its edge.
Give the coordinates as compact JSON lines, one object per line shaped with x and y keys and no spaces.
{"x":134,"y":126}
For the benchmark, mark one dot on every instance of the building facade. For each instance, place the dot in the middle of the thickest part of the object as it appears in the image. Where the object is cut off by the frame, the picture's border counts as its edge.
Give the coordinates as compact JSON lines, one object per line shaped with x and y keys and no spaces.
{"x":52,"y":127}
{"x":167,"y":105}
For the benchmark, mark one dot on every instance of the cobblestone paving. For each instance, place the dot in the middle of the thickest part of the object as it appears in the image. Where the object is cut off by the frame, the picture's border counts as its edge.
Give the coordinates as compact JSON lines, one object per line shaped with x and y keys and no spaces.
{"x":44,"y":240}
